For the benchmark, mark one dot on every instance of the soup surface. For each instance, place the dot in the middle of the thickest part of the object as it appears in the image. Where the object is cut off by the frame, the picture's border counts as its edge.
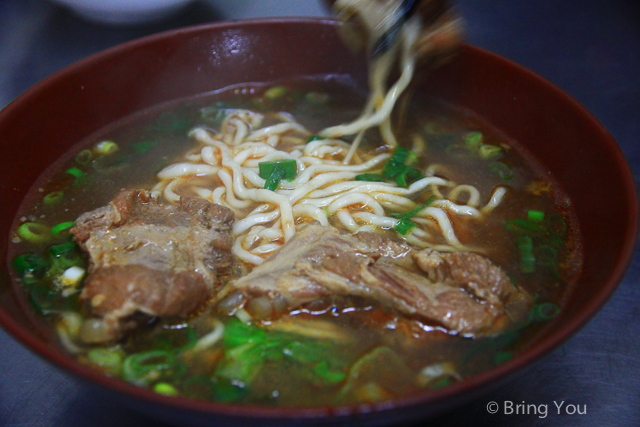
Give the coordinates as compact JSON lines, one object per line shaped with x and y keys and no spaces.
{"x":459,"y":187}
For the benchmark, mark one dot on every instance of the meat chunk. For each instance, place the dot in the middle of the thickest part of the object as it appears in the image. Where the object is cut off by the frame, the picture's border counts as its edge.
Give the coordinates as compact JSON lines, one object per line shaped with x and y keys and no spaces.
{"x":149,"y":258}
{"x":462,"y":292}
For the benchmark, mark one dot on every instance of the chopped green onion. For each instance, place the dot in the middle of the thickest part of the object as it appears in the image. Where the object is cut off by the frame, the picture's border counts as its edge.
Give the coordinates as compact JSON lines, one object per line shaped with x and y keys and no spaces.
{"x":274,"y":179}
{"x":550,"y":232}
{"x":59,"y":228}
{"x":243,"y":363}
{"x":413,"y":212}
{"x":77,"y":174}
{"x":30,"y":263}
{"x":545,"y":311}
{"x":408,"y":176}
{"x":144,"y":146}
{"x":237,"y":333}
{"x":274,"y":172}
{"x":524,"y":226}
{"x":535,"y":216}
{"x":501,"y":170}
{"x":411,"y":158}
{"x":404,"y":226}
{"x":527,"y":259}
{"x":396,"y":166}
{"x":327,"y":375}
{"x":84,"y":157}
{"x":105,"y":147}
{"x":303,"y":352}
{"x":109,"y":360}
{"x":275,"y":92}
{"x":314,"y":138}
{"x":142,"y":368}
{"x":487,"y":150}
{"x":166,"y":389}
{"x":472,"y":139}
{"x":53,"y":198}
{"x":288,"y":166}
{"x":396,"y":169}
{"x":374,"y":177}
{"x":34,"y":232}
{"x":249,"y":347}
{"x":400,"y":155}
{"x":392,"y":168}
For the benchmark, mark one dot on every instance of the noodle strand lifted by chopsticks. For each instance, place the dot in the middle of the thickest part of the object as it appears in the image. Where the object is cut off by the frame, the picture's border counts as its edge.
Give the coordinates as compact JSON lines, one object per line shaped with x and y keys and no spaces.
{"x":377,"y":19}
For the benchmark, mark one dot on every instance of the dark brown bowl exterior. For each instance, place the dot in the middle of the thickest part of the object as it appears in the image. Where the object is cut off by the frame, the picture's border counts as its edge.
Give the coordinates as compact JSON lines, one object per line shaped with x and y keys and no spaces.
{"x":586,"y":162}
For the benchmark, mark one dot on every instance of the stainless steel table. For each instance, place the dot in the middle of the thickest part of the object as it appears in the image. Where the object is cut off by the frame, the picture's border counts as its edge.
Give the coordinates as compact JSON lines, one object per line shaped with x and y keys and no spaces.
{"x":590,"y":48}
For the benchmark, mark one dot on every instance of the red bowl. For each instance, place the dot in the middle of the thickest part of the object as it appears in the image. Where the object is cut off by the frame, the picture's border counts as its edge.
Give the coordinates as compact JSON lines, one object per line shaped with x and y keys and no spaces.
{"x":559,"y":133}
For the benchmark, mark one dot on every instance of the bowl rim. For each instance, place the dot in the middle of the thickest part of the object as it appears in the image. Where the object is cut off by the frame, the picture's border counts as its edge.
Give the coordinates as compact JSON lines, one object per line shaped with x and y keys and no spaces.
{"x":58,"y":359}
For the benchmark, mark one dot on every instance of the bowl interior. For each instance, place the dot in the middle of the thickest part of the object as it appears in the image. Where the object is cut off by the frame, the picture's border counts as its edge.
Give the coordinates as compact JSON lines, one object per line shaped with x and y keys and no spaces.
{"x":43,"y":123}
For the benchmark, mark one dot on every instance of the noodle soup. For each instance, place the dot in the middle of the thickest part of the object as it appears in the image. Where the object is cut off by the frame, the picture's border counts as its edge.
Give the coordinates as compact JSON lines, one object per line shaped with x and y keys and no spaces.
{"x":456,"y":186}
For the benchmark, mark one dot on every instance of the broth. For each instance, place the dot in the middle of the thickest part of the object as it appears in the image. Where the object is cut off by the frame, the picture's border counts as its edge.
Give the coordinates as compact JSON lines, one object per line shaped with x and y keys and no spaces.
{"x":330,"y":352}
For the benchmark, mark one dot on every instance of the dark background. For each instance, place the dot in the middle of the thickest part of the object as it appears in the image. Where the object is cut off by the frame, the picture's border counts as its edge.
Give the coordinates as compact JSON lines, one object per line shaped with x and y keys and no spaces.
{"x":591,"y":49}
